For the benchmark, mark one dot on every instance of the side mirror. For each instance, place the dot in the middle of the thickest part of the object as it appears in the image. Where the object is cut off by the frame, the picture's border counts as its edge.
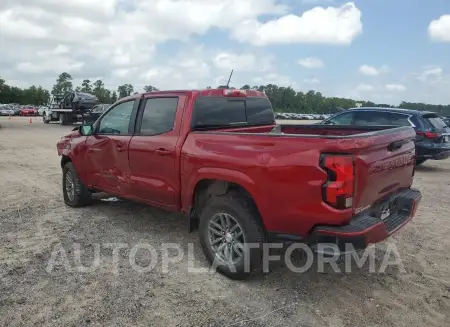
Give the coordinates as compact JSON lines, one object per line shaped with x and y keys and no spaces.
{"x":86,"y":130}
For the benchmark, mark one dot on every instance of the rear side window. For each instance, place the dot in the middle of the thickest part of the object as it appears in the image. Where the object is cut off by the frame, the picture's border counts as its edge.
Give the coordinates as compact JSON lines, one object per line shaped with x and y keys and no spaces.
{"x":158,"y":116}
{"x":222,"y":111}
{"x":434,"y":122}
{"x":368,"y":118}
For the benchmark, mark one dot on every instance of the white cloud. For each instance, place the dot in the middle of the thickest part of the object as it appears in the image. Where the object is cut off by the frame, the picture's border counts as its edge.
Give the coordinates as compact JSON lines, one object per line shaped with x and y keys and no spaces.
{"x":315,"y":2}
{"x":396,"y":87}
{"x":311,"y":63}
{"x":372,"y":71}
{"x":116,"y":40}
{"x":368,"y":70}
{"x":331,"y":25}
{"x":274,"y":78}
{"x":365,"y":87}
{"x":312,"y":81}
{"x":242,"y":62}
{"x":439,"y":29}
{"x":431,"y":75}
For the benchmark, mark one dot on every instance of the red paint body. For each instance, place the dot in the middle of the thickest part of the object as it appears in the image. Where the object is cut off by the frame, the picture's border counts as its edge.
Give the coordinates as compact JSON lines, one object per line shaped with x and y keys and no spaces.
{"x":281,"y":172}
{"x":28,"y":111}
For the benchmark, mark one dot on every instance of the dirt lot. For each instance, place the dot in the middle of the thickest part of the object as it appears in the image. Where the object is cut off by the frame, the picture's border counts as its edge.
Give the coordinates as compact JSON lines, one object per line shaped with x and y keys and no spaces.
{"x":34,"y":222}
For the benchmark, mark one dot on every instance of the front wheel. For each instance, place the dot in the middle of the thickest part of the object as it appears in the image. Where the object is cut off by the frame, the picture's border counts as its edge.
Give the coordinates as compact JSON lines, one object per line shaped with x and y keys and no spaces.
{"x":62,"y":119}
{"x":231,"y":235}
{"x":74,"y":192}
{"x":45,"y":118}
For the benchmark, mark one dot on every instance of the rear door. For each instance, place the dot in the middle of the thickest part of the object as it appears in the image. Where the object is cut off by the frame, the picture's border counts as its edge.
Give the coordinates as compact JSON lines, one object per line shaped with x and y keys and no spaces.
{"x":154,"y":151}
{"x":107,"y":153}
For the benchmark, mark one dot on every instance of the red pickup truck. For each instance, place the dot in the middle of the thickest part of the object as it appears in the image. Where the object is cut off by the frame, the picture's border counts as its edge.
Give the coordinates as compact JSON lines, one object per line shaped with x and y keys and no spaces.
{"x":219,"y":157}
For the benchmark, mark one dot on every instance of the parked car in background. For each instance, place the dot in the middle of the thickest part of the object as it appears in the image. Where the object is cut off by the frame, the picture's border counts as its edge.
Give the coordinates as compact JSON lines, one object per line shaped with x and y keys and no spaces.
{"x":5,"y":111}
{"x":92,"y":115}
{"x":206,"y":154}
{"x":446,"y":120}
{"x":28,"y":111}
{"x":432,"y":134}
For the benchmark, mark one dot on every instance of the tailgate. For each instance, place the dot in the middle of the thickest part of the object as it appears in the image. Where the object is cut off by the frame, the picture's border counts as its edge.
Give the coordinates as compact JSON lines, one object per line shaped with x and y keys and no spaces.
{"x":384,"y":167}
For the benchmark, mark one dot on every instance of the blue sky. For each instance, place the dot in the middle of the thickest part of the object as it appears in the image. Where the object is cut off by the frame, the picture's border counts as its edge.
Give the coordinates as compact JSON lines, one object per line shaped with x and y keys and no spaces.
{"x":379,"y":50}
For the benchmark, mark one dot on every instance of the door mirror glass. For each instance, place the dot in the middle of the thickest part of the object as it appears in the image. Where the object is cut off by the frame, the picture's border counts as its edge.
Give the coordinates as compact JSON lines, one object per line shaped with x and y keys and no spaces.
{"x":86,"y":130}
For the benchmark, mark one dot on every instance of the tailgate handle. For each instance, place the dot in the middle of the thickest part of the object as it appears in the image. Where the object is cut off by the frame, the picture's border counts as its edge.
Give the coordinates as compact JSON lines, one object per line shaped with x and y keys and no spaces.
{"x":394,"y":146}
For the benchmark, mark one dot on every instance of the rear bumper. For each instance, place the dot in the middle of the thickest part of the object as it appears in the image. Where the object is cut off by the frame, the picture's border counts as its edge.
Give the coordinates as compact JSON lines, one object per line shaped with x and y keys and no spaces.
{"x":433,"y":151}
{"x":368,"y":227}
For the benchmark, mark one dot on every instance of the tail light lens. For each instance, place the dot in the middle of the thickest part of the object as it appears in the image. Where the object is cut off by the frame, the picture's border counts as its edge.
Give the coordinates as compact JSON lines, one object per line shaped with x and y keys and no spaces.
{"x":429,"y":135}
{"x":338,"y":189}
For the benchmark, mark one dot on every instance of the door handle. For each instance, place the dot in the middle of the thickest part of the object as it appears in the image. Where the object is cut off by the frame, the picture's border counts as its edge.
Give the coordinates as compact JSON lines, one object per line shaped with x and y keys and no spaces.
{"x":94,"y":150}
{"x":162,"y":152}
{"x":119,"y":148}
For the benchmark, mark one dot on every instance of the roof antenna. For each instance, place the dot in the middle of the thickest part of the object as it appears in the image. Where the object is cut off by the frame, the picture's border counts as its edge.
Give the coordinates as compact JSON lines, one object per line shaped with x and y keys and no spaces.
{"x":229,"y":78}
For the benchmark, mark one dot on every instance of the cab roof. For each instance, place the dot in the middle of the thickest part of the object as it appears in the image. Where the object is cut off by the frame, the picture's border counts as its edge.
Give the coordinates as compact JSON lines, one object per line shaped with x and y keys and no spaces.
{"x":202,"y":93}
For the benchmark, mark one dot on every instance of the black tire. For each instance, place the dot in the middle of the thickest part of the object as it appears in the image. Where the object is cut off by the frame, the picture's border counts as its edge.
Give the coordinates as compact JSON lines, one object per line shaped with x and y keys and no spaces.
{"x":243,"y":211}
{"x":45,"y":119}
{"x":81,"y":196}
{"x":62,"y":119}
{"x":420,"y":161}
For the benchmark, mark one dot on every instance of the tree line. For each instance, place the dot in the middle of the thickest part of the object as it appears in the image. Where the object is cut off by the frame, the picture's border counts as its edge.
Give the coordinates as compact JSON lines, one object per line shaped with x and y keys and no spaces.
{"x":283,"y":99}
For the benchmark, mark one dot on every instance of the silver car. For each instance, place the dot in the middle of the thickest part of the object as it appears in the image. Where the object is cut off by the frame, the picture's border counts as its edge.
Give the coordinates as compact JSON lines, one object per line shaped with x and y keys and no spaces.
{"x":4,"y":111}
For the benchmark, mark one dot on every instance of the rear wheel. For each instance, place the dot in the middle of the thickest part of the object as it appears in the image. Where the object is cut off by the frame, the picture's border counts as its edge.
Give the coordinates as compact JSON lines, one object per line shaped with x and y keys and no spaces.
{"x":231,"y":235}
{"x":420,"y":161}
{"x":74,"y":192}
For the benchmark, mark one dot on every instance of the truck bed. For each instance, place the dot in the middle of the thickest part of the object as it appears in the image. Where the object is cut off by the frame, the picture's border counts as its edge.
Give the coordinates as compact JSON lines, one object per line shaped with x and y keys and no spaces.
{"x":287,"y":157}
{"x":315,"y":130}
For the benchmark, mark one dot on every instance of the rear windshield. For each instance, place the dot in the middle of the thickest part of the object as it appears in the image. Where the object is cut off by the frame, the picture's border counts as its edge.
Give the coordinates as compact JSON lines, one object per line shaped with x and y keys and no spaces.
{"x":435,"y":122}
{"x":223,"y":112}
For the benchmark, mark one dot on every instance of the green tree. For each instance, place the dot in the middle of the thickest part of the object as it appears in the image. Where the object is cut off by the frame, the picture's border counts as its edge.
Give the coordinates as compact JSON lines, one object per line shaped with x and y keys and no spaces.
{"x":86,"y":86}
{"x":100,"y":92}
{"x":283,"y":99}
{"x":114,"y":97}
{"x":150,"y":88}
{"x":125,"y":90}
{"x":63,"y":84}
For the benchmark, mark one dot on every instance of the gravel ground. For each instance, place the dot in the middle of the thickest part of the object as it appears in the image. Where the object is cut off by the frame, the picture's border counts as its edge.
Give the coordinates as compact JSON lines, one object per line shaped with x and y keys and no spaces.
{"x":34,"y":223}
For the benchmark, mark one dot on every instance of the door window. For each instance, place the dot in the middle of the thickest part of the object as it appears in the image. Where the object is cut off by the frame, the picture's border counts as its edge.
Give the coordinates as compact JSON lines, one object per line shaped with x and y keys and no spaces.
{"x":117,"y":120}
{"x":158,"y":116}
{"x":370,"y":118}
{"x":342,"y":119}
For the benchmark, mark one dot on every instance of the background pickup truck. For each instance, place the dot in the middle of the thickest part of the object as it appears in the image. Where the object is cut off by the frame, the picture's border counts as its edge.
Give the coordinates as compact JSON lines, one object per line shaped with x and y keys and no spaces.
{"x":219,"y":157}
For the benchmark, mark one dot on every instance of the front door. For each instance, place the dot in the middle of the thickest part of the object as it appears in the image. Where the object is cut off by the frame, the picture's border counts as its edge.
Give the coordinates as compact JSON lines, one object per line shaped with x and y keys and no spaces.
{"x":108,"y":149}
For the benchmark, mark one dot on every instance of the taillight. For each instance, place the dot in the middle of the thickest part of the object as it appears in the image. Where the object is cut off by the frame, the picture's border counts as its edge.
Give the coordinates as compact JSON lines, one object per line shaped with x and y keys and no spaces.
{"x":234,"y":93}
{"x":429,"y":135}
{"x":338,"y":189}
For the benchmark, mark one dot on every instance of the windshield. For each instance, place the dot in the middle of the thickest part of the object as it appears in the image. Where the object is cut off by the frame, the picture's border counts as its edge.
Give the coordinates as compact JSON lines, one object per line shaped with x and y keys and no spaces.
{"x":86,"y":95}
{"x":223,"y":112}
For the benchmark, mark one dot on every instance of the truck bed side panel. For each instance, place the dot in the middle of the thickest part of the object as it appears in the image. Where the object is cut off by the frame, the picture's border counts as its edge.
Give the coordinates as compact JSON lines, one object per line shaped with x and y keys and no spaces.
{"x":283,"y":176}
